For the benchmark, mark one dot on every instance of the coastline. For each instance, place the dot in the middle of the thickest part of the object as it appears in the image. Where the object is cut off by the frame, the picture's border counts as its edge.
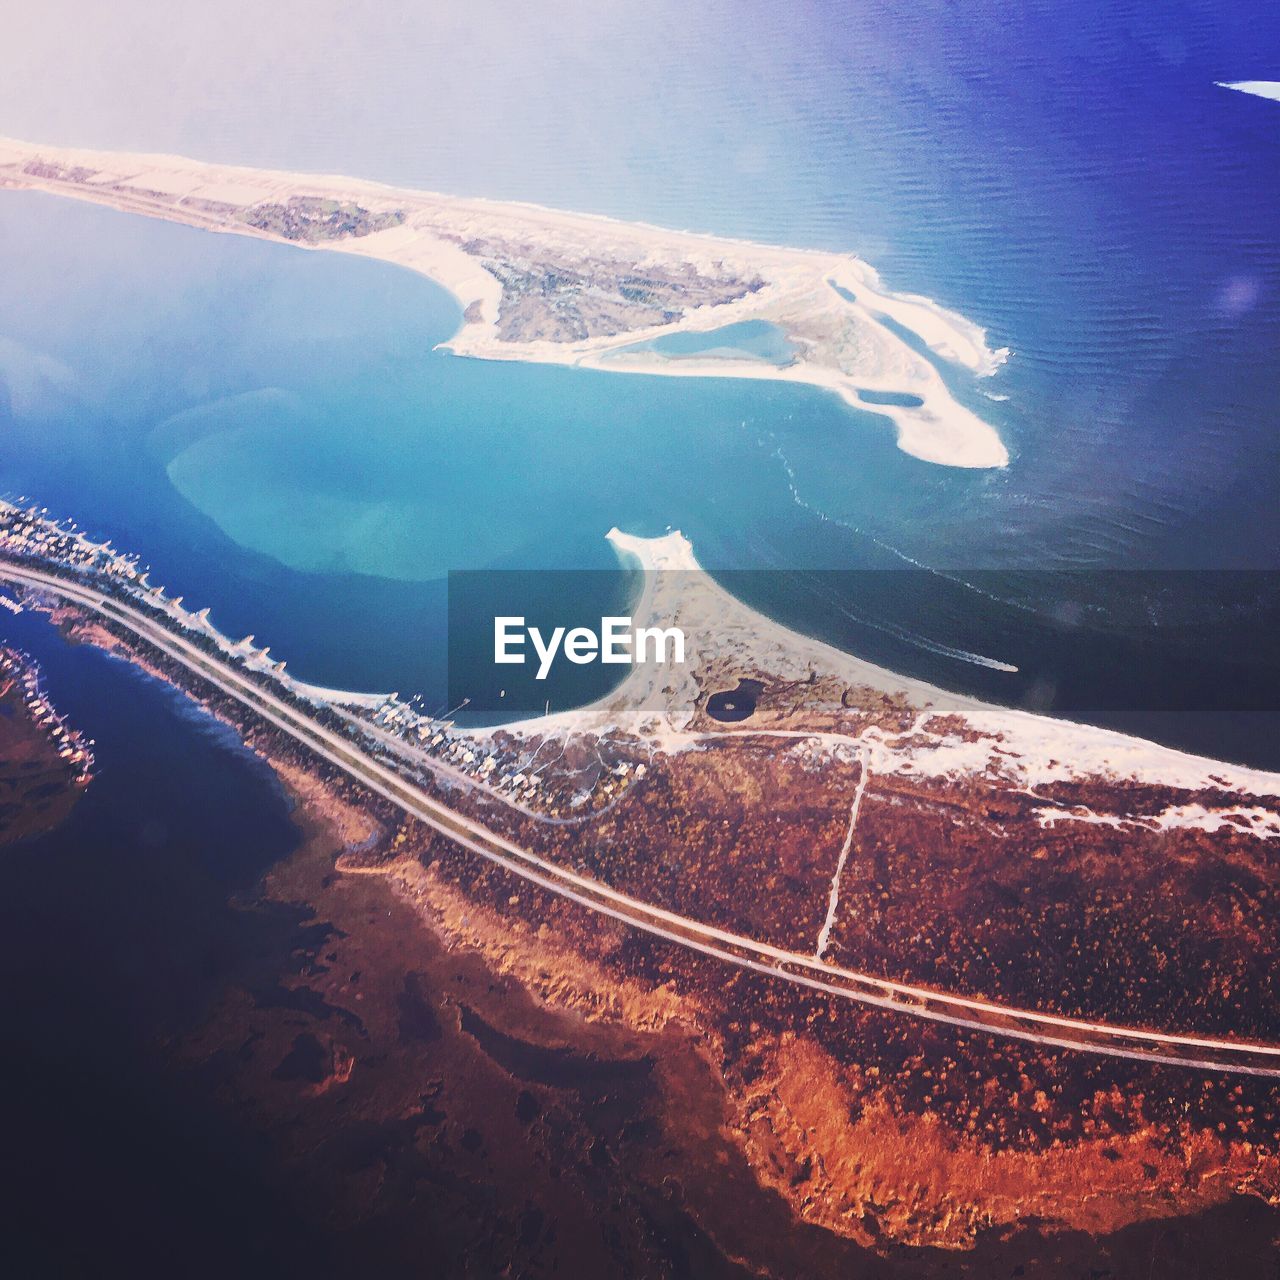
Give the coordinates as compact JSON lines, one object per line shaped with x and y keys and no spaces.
{"x":833,"y":305}
{"x":1043,"y":748}
{"x":579,"y":976}
{"x":662,"y":704}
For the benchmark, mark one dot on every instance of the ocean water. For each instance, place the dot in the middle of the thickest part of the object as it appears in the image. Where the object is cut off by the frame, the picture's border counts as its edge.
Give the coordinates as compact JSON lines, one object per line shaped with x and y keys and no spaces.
{"x":274,"y":432}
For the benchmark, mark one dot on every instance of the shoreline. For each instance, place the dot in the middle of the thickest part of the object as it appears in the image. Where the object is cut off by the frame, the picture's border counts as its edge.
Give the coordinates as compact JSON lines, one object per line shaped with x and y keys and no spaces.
{"x":494,"y":257}
{"x":661,"y":704}
{"x":1048,"y":748}
{"x":581,"y":985}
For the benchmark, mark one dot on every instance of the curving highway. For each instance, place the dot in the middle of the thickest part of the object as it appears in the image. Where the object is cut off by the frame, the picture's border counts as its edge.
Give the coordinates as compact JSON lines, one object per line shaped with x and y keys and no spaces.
{"x":1166,"y":1048}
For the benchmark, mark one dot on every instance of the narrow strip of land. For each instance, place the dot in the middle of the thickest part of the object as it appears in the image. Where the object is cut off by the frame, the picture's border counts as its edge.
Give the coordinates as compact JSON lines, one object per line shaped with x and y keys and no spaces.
{"x":1206,"y":1053}
{"x":558,"y":287}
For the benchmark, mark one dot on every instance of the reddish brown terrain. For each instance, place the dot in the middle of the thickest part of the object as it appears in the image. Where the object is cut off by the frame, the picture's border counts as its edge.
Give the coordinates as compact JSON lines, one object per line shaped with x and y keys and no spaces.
{"x":843,"y":1123}
{"x":455,"y":1032}
{"x":745,"y":831}
{"x":1163,"y":928}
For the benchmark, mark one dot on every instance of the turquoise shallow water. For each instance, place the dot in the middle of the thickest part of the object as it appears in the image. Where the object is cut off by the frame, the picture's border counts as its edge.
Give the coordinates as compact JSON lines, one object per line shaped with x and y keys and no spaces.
{"x":274,"y":432}
{"x":1070,"y":178}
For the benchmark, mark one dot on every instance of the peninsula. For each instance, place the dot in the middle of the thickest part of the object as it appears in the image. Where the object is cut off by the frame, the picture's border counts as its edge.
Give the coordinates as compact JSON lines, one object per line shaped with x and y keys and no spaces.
{"x":906,"y":931}
{"x":553,"y":287}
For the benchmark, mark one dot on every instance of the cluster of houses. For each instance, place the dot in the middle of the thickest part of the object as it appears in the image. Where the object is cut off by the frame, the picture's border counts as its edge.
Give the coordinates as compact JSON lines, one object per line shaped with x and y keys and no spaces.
{"x":508,"y":772}
{"x":434,"y":737}
{"x":31,"y":534}
{"x":18,"y":669}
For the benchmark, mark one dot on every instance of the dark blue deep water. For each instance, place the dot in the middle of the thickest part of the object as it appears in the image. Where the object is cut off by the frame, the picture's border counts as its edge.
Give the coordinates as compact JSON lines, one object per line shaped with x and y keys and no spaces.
{"x":117,"y":930}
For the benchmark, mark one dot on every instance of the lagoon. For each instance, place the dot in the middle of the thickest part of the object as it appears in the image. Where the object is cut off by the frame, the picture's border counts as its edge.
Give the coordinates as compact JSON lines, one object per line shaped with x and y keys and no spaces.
{"x":745,"y":340}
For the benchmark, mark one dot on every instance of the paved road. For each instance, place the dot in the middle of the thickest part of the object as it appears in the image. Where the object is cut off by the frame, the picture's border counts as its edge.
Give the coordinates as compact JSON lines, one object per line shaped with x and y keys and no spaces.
{"x":1203,"y":1052}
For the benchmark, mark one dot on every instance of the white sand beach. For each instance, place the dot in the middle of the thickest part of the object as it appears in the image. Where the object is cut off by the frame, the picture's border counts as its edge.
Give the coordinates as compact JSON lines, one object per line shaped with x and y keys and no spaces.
{"x":538,"y":284}
{"x":1021,"y":748}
